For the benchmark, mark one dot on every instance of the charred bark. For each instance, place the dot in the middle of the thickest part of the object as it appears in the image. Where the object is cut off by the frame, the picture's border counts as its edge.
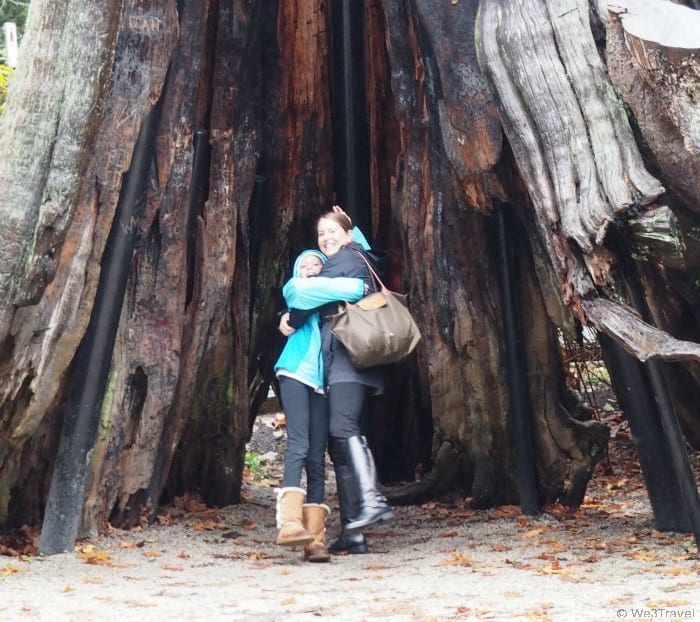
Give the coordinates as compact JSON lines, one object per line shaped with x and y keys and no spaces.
{"x":75,"y":201}
{"x":450,"y":172}
{"x":579,"y":159}
{"x":193,"y":348}
{"x":469,"y":107}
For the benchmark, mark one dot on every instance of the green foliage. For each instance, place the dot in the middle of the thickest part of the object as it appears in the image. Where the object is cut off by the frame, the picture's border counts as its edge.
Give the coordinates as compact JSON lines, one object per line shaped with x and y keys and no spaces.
{"x":594,"y":373}
{"x":5,"y":75}
{"x":14,"y":11}
{"x":254,"y":466}
{"x":252,"y":462}
{"x":11,"y":11}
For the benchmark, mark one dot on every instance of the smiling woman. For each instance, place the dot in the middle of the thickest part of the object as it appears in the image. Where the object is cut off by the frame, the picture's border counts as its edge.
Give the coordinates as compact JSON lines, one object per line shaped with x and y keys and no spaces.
{"x":361,"y":503}
{"x":334,"y":231}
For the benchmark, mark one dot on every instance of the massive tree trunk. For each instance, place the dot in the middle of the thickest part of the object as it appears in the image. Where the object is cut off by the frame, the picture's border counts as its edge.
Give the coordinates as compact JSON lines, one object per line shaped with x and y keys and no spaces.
{"x":473,"y":109}
{"x":206,"y":270}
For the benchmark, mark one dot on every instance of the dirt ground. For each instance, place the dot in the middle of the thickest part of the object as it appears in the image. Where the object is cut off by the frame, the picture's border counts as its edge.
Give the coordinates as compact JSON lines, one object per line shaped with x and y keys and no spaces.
{"x":439,"y":561}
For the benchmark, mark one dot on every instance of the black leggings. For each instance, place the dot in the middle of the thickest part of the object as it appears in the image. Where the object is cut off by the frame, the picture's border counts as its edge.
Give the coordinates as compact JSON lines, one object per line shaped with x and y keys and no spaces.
{"x":307,"y":434}
{"x":346,"y":400}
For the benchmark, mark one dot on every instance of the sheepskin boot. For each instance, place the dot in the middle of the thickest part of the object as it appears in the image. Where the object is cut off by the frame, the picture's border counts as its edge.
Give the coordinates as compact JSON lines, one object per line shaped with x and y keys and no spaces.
{"x":315,"y":515}
{"x":289,"y":517}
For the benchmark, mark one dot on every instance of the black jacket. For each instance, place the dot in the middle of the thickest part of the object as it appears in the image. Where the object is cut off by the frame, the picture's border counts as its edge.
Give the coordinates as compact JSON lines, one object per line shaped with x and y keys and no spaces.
{"x":346,"y":262}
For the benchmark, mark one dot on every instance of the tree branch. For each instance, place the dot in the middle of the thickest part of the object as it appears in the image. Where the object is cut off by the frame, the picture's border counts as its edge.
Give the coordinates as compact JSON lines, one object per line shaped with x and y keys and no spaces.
{"x":640,"y":339}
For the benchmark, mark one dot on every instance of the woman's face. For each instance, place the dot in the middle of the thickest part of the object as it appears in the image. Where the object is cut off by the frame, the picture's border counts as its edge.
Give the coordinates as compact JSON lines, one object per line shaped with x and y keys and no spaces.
{"x":331,"y":236}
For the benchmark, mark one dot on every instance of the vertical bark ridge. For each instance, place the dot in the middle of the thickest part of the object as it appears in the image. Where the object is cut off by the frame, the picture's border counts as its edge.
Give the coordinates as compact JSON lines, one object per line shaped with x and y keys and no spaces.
{"x":59,"y":317}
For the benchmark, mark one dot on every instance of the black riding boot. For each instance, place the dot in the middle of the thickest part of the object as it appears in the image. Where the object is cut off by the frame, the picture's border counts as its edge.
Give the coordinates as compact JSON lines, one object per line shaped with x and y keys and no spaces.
{"x":374,"y":508}
{"x":349,"y":501}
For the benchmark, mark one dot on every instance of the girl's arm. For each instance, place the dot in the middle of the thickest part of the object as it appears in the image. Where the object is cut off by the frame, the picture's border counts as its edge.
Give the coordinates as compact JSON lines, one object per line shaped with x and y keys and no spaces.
{"x":317,"y":290}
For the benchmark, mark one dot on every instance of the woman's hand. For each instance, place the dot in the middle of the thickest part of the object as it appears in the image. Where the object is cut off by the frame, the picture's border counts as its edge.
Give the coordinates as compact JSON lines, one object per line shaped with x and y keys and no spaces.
{"x":284,"y":326}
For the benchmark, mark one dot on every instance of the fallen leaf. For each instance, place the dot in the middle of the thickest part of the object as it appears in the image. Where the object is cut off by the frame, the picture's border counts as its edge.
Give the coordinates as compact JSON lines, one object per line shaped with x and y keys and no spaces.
{"x":645,"y":556}
{"x":93,"y":556}
{"x":254,"y":555}
{"x":127,"y":545}
{"x":675,"y":571}
{"x":377,"y":567}
{"x":214,"y":525}
{"x":533,"y":532}
{"x":457,"y":559}
{"x":554,"y":568}
{"x":668,"y":604}
{"x":8,"y":570}
{"x":468,"y":513}
{"x":507,"y":511}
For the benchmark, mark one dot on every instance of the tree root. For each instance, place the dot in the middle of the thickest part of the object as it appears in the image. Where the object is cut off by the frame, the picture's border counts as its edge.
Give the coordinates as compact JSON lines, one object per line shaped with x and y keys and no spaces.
{"x":441,"y":479}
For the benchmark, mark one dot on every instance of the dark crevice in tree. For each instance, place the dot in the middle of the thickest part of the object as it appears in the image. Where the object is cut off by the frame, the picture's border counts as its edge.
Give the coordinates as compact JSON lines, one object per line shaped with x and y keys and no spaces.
{"x":636,"y":398}
{"x":350,"y":129}
{"x":432,"y":71}
{"x":688,"y":499}
{"x":520,"y":415}
{"x":137,"y":393}
{"x":261,"y":208}
{"x":92,"y":363}
{"x":199,"y":193}
{"x":136,"y":511}
{"x":7,"y":346}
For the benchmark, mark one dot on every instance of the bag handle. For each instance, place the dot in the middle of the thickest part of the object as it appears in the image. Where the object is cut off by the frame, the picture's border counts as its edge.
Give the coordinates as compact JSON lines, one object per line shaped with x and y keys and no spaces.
{"x":372,"y":273}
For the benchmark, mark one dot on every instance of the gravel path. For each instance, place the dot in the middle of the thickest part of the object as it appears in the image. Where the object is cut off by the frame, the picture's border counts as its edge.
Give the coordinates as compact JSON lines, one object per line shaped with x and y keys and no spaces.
{"x":439,"y":561}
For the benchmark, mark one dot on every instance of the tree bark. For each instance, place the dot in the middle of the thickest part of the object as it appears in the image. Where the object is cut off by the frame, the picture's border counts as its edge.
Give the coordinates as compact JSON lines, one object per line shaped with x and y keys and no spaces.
{"x":50,"y":278}
{"x":176,"y":414}
{"x":654,"y":66}
{"x":471,"y":107}
{"x":449,"y":174}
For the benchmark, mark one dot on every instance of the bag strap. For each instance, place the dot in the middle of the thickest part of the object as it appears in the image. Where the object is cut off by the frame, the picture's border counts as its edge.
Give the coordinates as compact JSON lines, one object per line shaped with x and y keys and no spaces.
{"x":372,"y":273}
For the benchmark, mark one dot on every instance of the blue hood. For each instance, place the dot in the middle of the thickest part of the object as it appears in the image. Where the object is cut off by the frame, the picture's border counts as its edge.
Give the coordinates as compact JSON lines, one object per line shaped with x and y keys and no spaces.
{"x":297,"y":261}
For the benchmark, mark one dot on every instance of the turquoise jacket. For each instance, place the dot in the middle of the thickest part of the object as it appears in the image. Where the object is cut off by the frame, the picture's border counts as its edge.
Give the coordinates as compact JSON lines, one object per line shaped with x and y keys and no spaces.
{"x":301,"y":356}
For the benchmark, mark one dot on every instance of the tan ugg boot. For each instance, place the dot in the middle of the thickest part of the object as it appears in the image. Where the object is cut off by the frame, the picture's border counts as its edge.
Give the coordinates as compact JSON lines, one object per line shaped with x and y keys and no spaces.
{"x":289,"y":517}
{"x":315,"y":515}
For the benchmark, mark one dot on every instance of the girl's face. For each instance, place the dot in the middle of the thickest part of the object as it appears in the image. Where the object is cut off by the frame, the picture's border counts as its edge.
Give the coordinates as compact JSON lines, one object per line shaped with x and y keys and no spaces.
{"x":331,"y":236}
{"x":310,"y":265}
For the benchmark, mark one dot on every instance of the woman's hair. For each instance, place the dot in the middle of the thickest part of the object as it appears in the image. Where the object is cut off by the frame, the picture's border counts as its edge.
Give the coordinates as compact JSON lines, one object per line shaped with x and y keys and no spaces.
{"x":342,"y":219}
